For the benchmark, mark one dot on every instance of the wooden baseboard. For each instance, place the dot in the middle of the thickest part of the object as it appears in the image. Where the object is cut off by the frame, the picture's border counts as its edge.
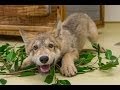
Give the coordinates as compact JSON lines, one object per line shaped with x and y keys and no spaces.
{"x":14,"y":30}
{"x":112,"y":21}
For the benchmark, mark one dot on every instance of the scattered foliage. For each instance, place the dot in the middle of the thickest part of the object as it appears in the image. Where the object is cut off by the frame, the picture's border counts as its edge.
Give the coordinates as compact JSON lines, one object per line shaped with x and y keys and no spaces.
{"x":12,"y":58}
{"x":3,"y":81}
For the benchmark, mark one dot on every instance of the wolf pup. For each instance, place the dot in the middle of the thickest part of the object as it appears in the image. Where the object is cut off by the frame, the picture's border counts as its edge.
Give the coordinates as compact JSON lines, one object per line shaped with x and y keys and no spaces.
{"x":65,"y":41}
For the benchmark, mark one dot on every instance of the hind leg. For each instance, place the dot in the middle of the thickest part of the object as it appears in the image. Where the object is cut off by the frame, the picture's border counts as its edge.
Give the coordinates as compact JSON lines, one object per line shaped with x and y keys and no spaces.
{"x":93,"y":34}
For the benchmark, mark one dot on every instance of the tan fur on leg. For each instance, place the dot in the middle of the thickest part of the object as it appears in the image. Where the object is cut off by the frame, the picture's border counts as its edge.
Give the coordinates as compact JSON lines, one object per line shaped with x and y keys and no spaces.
{"x":68,"y":68}
{"x":93,"y":35}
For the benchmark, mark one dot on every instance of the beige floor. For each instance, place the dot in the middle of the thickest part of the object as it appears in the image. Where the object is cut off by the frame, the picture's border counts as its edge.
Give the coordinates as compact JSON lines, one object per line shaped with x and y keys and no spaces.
{"x":110,"y":35}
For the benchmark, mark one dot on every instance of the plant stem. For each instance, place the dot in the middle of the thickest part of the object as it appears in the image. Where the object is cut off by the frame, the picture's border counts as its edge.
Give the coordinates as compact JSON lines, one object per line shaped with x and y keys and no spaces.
{"x":57,"y":66}
{"x":15,"y":44}
{"x":94,"y":62}
{"x":15,"y":73}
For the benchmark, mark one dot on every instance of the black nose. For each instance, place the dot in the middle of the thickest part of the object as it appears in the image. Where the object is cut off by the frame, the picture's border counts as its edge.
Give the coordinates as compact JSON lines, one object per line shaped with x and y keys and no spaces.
{"x":44,"y":59}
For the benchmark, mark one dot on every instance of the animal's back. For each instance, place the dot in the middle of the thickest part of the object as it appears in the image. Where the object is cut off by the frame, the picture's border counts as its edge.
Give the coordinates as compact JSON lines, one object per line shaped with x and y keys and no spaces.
{"x":74,"y":21}
{"x":78,"y":25}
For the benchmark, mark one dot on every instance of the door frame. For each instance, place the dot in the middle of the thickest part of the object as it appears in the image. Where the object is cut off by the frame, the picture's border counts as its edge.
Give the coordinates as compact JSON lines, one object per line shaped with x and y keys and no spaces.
{"x":99,"y":23}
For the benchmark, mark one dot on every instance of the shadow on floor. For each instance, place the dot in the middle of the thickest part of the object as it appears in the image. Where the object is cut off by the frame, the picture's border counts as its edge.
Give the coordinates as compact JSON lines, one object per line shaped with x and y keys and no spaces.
{"x":117,"y":44}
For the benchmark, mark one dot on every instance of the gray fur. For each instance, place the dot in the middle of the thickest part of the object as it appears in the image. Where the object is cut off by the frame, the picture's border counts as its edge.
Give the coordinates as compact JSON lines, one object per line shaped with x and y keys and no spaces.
{"x":68,"y":39}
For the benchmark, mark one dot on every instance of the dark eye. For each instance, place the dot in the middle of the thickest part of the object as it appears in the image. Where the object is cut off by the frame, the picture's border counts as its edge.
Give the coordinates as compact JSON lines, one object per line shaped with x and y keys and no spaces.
{"x":50,"y":46}
{"x":35,"y":47}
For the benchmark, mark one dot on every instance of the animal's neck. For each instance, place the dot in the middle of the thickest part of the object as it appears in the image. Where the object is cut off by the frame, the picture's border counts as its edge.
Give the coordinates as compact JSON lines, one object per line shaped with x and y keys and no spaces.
{"x":62,"y":45}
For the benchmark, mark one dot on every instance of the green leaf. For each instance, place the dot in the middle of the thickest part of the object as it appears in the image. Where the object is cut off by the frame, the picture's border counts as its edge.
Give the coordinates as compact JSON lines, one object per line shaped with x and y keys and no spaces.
{"x":109,"y":65}
{"x":49,"y":79}
{"x":11,"y":56}
{"x":27,"y":73}
{"x":90,"y":57}
{"x":52,"y":70}
{"x":108,"y":54}
{"x":63,"y":82}
{"x":82,"y":70}
{"x":30,"y":66}
{"x":7,"y":51}
{"x":3,"y":81}
{"x":113,"y":58}
{"x":116,"y":62}
{"x":113,"y":63}
{"x":3,"y":47}
{"x":85,"y":58}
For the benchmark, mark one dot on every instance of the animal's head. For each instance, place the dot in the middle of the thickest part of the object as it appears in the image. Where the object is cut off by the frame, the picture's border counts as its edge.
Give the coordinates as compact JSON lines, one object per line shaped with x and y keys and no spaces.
{"x":42,"y":48}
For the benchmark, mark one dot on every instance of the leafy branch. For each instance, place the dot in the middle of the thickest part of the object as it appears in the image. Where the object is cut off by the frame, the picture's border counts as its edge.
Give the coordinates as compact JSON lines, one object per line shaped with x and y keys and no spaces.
{"x":12,"y":59}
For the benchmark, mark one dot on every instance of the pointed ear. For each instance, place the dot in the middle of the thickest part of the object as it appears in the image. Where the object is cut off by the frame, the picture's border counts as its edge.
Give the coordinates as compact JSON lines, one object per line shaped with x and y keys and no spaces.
{"x":59,"y":20}
{"x":26,"y":36}
{"x":58,"y":25}
{"x":57,"y":29}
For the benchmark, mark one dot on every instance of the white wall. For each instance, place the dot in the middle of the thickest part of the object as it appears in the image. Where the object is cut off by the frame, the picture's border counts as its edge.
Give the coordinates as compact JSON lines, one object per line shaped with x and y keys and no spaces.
{"x":112,"y":13}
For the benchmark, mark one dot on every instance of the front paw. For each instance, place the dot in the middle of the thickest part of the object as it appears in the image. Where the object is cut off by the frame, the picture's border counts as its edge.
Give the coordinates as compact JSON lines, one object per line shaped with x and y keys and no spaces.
{"x":68,"y":70}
